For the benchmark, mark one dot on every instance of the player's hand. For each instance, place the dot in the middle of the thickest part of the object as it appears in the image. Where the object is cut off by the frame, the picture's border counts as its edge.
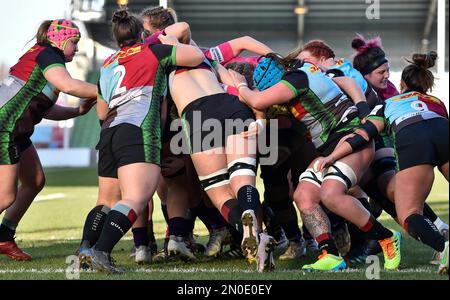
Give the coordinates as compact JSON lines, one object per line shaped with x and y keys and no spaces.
{"x":168,"y":39}
{"x":238,"y":79}
{"x":323,"y":163}
{"x":86,"y":105}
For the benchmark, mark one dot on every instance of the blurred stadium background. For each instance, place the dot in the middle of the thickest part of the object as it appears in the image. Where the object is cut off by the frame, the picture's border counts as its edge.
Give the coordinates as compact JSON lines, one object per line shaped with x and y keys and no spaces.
{"x":405,"y":26}
{"x":51,"y":229}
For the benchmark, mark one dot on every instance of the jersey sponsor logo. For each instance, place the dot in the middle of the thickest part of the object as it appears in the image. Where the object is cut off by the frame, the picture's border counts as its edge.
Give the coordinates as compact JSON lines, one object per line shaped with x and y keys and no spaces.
{"x":314,"y":69}
{"x":407,"y":116}
{"x":122,"y":54}
{"x":216,"y":54}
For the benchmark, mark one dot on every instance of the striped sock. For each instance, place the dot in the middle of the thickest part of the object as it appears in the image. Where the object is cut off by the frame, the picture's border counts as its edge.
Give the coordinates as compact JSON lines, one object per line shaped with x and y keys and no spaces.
{"x":117,"y":224}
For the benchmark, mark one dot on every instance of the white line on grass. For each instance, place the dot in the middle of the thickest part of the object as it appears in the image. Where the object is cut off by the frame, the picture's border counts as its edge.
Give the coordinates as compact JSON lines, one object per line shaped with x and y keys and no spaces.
{"x":204,"y":270}
{"x":50,"y":197}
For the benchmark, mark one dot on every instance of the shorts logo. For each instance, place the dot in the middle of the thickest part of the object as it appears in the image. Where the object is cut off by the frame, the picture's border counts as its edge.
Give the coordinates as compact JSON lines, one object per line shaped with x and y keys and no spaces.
{"x":15,"y":152}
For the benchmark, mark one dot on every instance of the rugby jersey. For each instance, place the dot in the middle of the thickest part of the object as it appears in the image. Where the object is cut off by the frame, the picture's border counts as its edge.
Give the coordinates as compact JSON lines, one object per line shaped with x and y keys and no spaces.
{"x":408,"y":108}
{"x":318,"y":101}
{"x":25,"y":95}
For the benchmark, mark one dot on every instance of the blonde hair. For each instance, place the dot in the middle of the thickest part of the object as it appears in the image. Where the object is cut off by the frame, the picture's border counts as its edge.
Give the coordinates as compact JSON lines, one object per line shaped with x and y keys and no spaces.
{"x":160,"y":17}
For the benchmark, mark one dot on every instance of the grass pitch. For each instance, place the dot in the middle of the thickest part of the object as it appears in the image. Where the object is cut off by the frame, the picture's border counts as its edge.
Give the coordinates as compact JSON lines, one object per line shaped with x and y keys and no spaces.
{"x":52,"y":227}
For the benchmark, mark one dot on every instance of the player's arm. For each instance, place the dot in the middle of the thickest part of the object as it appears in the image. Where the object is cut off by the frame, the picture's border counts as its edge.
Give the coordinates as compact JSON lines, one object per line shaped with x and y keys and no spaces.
{"x":185,"y":55}
{"x":102,"y":109}
{"x":352,"y":143}
{"x":59,"y":77}
{"x":247,"y":43}
{"x":354,"y":91}
{"x":58,"y":112}
{"x":181,"y":31}
{"x":278,"y":94}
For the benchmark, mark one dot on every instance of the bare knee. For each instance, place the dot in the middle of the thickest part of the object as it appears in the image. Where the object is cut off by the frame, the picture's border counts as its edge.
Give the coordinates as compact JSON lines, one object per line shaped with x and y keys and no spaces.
{"x":6,"y":202}
{"x":39,"y":183}
{"x":329,"y":196}
{"x":35,"y":185}
{"x":305,"y":200}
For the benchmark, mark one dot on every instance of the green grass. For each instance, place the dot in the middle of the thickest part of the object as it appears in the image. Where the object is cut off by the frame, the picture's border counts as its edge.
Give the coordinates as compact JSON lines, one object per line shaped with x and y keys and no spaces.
{"x":51,"y":230}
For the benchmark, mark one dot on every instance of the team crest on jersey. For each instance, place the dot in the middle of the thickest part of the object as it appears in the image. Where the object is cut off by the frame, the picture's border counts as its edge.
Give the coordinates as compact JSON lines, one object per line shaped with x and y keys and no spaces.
{"x":313,"y":69}
{"x":122,"y":54}
{"x":401,"y":97}
{"x":419,"y":95}
{"x":340,"y":62}
{"x":32,"y":49}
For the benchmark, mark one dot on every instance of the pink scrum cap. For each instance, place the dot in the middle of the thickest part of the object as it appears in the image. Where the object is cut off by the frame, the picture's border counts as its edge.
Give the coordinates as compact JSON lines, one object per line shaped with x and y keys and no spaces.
{"x":61,"y":31}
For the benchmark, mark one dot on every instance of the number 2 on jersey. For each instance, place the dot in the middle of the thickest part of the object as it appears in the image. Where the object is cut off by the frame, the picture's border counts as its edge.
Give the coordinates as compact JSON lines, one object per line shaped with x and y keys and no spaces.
{"x":119,"y":90}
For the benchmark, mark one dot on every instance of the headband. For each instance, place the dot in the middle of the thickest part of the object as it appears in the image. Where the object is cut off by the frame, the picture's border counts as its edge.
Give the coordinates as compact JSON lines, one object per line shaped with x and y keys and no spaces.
{"x":380,"y":60}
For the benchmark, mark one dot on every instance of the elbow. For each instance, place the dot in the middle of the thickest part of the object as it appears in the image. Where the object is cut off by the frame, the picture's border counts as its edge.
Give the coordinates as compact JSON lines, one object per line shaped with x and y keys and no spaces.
{"x":198,"y":57}
{"x":184,"y":27}
{"x":255,"y":104}
{"x":67,"y":89}
{"x":258,"y":106}
{"x":246,"y":38}
{"x":185,"y":36}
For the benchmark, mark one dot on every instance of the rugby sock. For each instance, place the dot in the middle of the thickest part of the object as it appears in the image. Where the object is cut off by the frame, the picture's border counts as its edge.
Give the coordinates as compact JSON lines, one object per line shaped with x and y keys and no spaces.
{"x":151,"y":238}
{"x":380,"y":201}
{"x":117,"y":224}
{"x":210,"y":216}
{"x":357,"y":237}
{"x":165,"y":213}
{"x":365,"y":202}
{"x":150,"y":232}
{"x":236,"y":236}
{"x":306,"y":234}
{"x":273,"y":227}
{"x":431,"y":215}
{"x":7,"y":230}
{"x":284,"y":217}
{"x":94,"y":224}
{"x":166,"y":239}
{"x":441,"y":225}
{"x":232,"y":212}
{"x":248,"y":198}
{"x":422,"y":229}
{"x":202,"y":213}
{"x":140,"y":236}
{"x":190,"y":220}
{"x":326,"y":242}
{"x":375,"y":231}
{"x":178,"y":226}
{"x":292,"y":231}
